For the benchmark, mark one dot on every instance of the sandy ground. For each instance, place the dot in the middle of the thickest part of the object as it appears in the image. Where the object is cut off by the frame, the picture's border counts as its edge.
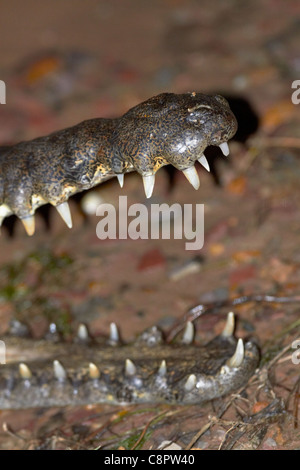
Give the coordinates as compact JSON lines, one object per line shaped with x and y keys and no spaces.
{"x":64,"y":62}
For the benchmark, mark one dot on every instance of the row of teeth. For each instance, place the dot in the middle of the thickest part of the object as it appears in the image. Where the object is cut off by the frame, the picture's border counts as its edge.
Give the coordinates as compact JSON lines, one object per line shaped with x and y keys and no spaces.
{"x":130,"y":368}
{"x":190,"y":173}
{"x":148,"y":181}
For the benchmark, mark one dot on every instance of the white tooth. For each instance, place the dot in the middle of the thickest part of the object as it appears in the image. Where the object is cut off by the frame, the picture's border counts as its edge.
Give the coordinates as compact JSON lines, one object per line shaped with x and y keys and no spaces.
{"x":93,"y":371}
{"x":162,"y":368}
{"x":237,"y":359}
{"x":188,"y":334}
{"x":130,"y":368}
{"x":59,"y":371}
{"x":64,"y":211}
{"x":5,"y":211}
{"x":52,"y":330}
{"x":114,"y":336}
{"x":82,"y":332}
{"x":192,"y":176}
{"x":29,"y":224}
{"x":229,"y":326}
{"x":121,"y":180}
{"x":203,"y":161}
{"x":224,"y":370}
{"x":190,"y":383}
{"x":24,"y":371}
{"x":225,"y":149}
{"x":148,"y":185}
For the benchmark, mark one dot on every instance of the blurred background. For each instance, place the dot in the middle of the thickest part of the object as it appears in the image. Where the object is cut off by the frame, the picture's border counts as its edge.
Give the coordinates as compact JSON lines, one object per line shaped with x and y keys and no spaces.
{"x":67,"y":61}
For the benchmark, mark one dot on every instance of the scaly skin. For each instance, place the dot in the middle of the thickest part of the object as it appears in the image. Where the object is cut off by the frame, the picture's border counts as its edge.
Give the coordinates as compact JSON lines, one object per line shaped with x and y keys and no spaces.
{"x":146,"y":371}
{"x":166,"y":129}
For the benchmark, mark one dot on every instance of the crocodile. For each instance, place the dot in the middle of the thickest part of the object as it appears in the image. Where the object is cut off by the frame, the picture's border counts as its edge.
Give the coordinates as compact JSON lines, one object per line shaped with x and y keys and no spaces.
{"x":166,"y":129}
{"x":45,"y":373}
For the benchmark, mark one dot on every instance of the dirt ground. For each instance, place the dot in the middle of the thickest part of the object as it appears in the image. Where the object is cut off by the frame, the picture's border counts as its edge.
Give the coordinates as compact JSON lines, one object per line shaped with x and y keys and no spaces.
{"x":64,"y":62}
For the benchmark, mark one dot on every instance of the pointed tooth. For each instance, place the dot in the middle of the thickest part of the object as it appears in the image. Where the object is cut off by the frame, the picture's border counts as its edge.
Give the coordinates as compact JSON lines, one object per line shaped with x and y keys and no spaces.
{"x":203,"y":161}
{"x":190,"y":383}
{"x":148,"y":182}
{"x":224,"y":370}
{"x":82,"y":332}
{"x":29,"y":224}
{"x":189,"y":333}
{"x":5,"y":211}
{"x":121,"y":180}
{"x":52,"y":334}
{"x":192,"y":176}
{"x":130,"y":368}
{"x":162,"y":371}
{"x":229,"y":326}
{"x":114,"y":336}
{"x":52,"y":328}
{"x":237,"y":359}
{"x":59,"y":371}
{"x":64,"y":211}
{"x":225,"y":149}
{"x":24,"y":371}
{"x":94,"y":371}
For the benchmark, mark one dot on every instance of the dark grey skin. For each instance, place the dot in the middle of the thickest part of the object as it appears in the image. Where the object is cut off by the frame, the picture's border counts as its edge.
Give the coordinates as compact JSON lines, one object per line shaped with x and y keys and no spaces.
{"x":166,"y":129}
{"x":157,"y":373}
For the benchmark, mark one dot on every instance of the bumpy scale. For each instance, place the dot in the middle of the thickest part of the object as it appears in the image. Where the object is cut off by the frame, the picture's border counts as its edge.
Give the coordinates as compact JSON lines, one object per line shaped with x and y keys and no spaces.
{"x":166,"y":129}
{"x":149,"y":370}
